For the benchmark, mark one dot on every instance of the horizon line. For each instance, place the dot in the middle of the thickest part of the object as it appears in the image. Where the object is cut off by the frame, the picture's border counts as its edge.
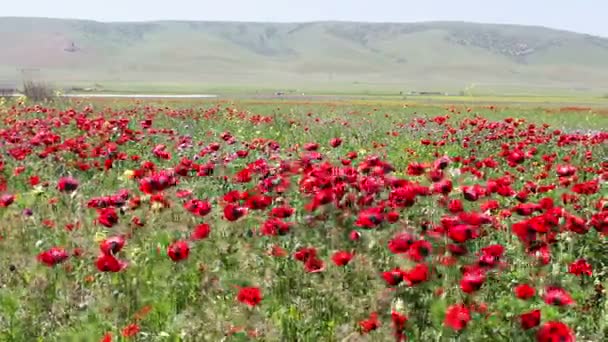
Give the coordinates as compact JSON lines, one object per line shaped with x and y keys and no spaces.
{"x":425,"y":21}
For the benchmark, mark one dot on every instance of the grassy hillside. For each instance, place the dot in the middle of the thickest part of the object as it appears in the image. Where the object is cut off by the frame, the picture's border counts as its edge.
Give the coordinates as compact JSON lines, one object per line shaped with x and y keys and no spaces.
{"x":434,"y":56}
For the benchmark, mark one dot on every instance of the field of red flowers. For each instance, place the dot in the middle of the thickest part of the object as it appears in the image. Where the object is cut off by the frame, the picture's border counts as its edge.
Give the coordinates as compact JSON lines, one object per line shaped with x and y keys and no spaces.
{"x":278,"y":222}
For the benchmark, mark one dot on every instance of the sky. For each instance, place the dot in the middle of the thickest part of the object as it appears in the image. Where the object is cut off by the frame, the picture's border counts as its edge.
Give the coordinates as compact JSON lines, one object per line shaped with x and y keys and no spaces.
{"x":586,"y":16}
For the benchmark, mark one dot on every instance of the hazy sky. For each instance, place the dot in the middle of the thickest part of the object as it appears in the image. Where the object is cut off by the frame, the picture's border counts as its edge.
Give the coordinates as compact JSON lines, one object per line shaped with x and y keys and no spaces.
{"x":588,"y":16}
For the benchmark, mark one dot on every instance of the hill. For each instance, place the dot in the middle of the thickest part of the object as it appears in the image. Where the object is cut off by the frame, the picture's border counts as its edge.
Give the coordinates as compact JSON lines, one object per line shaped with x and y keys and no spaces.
{"x":430,"y":56}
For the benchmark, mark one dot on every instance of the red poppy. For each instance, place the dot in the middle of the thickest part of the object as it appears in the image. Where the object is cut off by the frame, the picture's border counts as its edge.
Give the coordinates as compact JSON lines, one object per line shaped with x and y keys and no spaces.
{"x":112,"y":245}
{"x":6,"y":200}
{"x":67,"y":184}
{"x":557,"y":296}
{"x":530,"y":319}
{"x":394,"y":276}
{"x":473,"y":193}
{"x":417,"y":274}
{"x":580,"y":267}
{"x":130,"y":330}
{"x":200,"y":232}
{"x":53,"y":256}
{"x":416,"y":169}
{"x":106,"y":338}
{"x":251,"y":296}
{"x":34,"y":180}
{"x":524,"y":291}
{"x":258,"y":202}
{"x":455,"y":206}
{"x":335,"y":142}
{"x":554,"y":331}
{"x":198,"y":207}
{"x":178,"y":251}
{"x":341,"y":258}
{"x":399,"y":320}
{"x":107,"y":217}
{"x":369,"y":218}
{"x":109,"y":263}
{"x":314,"y":265}
{"x":282,"y":212}
{"x":472,"y":280}
{"x":233,"y":212}
{"x":401,"y":243}
{"x":457,"y":317}
{"x":369,"y":324}
{"x":419,"y":250}
{"x":490,"y":255}
{"x":392,"y":216}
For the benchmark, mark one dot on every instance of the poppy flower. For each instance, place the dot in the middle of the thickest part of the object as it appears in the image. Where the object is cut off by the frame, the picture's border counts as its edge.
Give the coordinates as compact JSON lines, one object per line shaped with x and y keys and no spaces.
{"x":441,"y":163}
{"x":580,"y":267}
{"x":416,"y":169}
{"x":107,"y":217}
{"x":34,"y":180}
{"x":6,"y":200}
{"x":472,"y":280}
{"x":341,"y":258}
{"x":354,"y":236}
{"x":419,"y":250}
{"x":335,"y":142}
{"x":462,"y":233}
{"x":443,"y":187}
{"x":565,"y":170}
{"x":457,"y":250}
{"x":275,"y":226}
{"x":305,"y":253}
{"x":369,"y":218}
{"x":67,"y":184}
{"x":455,"y":206}
{"x":490,"y":255}
{"x":198,"y":207}
{"x":417,"y":274}
{"x":524,"y":291}
{"x":394,"y":276}
{"x":314,"y":265}
{"x":178,"y":251}
{"x":233,"y":212}
{"x":53,"y":256}
{"x":369,"y":324}
{"x":473,"y":193}
{"x":530,"y":319}
{"x":130,"y":330}
{"x":457,"y":317}
{"x":282,"y":211}
{"x":557,"y":296}
{"x":258,"y":202}
{"x":554,"y":331}
{"x":392,"y":216}
{"x":109,"y":263}
{"x":399,"y":320}
{"x":251,"y":296}
{"x":401,"y":243}
{"x":112,"y":245}
{"x":200,"y":232}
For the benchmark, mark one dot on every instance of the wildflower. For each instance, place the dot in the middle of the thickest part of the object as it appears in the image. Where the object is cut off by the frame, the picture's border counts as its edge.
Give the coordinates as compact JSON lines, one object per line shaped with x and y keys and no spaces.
{"x":251,"y":296}
{"x":178,"y":251}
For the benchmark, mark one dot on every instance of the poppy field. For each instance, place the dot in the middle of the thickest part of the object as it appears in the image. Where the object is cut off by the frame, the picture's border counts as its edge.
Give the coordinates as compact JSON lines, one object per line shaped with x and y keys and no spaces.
{"x":279,"y":221}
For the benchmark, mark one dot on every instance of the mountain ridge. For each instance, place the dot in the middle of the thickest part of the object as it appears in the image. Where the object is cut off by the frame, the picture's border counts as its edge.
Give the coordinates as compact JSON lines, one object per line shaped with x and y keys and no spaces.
{"x":436,"y":54}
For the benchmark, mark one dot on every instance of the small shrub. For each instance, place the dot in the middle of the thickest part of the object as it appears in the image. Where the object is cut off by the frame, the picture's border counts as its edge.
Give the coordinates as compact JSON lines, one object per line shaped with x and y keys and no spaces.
{"x":38,"y":91}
